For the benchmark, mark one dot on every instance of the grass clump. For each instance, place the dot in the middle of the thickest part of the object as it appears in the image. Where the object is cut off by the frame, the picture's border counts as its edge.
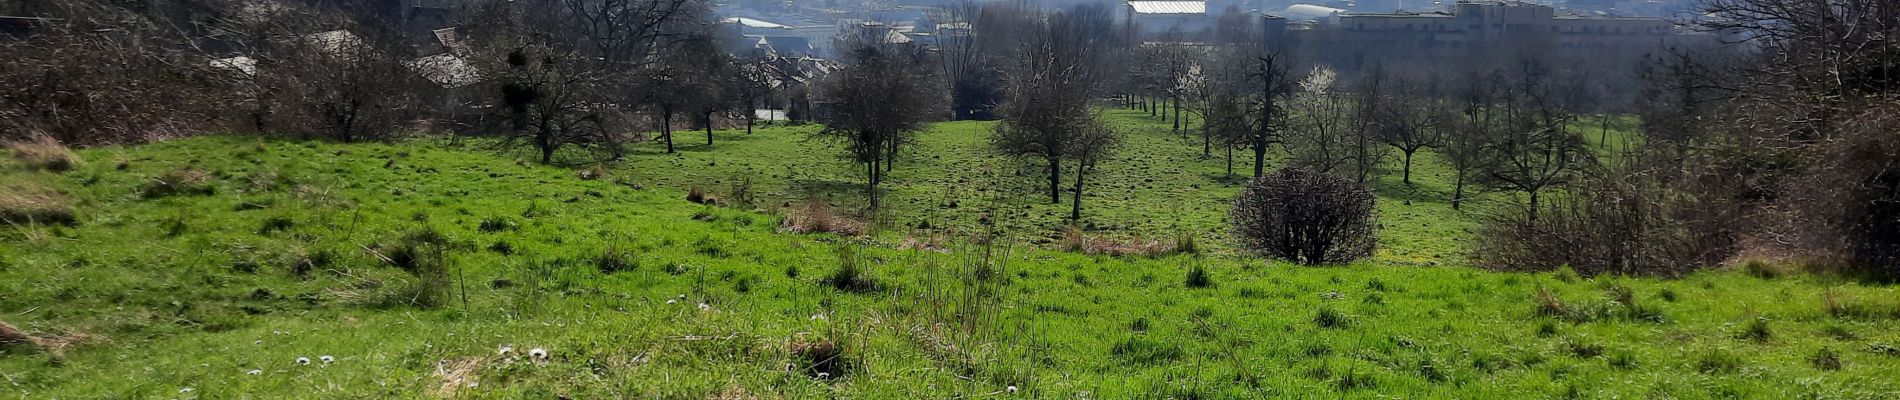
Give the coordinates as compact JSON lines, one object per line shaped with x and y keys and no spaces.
{"x":1138,"y":350}
{"x":851,"y":275}
{"x":1826,"y":359}
{"x":1718,"y":361}
{"x":1330,"y":318}
{"x":1756,"y":330}
{"x":1198,"y":277}
{"x":183,"y":181}
{"x":44,"y":153}
{"x":26,"y":205}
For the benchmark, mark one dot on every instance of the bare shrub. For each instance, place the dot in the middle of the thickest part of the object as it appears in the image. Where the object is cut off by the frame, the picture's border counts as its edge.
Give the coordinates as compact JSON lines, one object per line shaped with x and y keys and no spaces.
{"x":1305,"y":217}
{"x":102,"y":72}
{"x":1846,"y":203}
{"x":43,"y":152}
{"x":1623,"y":220}
{"x":23,"y":204}
{"x":814,"y":216}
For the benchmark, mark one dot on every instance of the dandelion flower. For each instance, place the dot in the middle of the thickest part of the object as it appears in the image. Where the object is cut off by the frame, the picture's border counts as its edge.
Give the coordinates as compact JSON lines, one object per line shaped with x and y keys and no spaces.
{"x":327,"y":359}
{"x":538,"y":353}
{"x":303,"y":360}
{"x":255,"y":372}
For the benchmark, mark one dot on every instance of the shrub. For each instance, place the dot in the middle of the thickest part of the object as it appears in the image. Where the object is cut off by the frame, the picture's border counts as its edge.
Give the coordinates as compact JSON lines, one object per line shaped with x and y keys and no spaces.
{"x":1622,"y":220}
{"x":1305,"y":217}
{"x":43,"y":152}
{"x":1842,"y":202}
{"x":24,"y":204}
{"x":183,"y":181}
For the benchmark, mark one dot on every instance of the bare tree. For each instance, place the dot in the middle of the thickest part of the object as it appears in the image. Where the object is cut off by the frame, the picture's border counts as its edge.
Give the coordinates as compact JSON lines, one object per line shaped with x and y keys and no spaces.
{"x":1049,"y":87}
{"x":884,"y":94}
{"x":1534,"y":149}
{"x":1412,"y":118}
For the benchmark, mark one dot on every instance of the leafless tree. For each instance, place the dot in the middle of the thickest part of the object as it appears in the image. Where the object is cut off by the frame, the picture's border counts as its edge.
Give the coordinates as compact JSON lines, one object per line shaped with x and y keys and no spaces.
{"x":1534,"y":149}
{"x":1413,"y":118}
{"x":1055,"y":76}
{"x":883,"y":95}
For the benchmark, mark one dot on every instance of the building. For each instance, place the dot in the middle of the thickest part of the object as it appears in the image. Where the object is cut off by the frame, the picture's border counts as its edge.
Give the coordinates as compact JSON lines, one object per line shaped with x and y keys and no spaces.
{"x":1154,"y":18}
{"x":1485,"y":23}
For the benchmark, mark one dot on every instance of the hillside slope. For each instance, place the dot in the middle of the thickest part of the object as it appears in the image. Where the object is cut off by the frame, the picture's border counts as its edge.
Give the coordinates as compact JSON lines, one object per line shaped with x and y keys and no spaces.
{"x":256,"y":253}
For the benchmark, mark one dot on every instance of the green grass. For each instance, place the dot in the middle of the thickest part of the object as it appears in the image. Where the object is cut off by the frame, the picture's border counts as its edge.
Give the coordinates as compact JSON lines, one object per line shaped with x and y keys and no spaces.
{"x":1156,"y":185}
{"x":188,"y":290}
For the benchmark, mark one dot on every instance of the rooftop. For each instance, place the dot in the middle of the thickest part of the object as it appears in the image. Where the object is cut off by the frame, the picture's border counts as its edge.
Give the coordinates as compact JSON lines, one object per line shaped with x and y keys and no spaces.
{"x":1168,"y":7}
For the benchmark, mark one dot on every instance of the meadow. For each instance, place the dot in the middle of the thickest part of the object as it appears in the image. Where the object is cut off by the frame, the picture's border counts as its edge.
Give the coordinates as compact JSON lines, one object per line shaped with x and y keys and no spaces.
{"x":238,"y":267}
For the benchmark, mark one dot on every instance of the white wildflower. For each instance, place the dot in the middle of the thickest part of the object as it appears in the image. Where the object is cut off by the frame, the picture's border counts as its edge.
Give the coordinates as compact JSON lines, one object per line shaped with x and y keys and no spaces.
{"x":255,"y":372}
{"x":303,"y":360}
{"x":187,"y":389}
{"x":326,"y":359}
{"x":824,"y":375}
{"x":538,"y":353}
{"x":703,"y":306}
{"x":672,"y":301}
{"x":505,"y":350}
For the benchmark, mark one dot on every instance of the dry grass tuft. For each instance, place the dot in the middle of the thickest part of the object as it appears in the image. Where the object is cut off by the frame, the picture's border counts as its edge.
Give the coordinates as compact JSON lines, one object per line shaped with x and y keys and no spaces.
{"x":44,"y":153}
{"x":814,"y":216}
{"x":733,"y":393}
{"x":182,"y":181}
{"x":25,"y":205}
{"x":1076,"y":240}
{"x":457,"y":375}
{"x":701,"y":196}
{"x":823,"y":358}
{"x":11,"y":336}
{"x":592,"y":173}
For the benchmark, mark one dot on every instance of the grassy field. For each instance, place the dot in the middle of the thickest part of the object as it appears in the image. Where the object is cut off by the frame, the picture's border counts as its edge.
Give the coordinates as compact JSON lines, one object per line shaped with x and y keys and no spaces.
{"x":257,"y":253}
{"x":1157,"y":185}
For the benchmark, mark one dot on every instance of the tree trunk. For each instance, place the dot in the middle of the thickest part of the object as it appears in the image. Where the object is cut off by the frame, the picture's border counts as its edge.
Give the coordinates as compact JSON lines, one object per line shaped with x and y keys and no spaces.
{"x":1533,"y":214}
{"x":1604,"y":141}
{"x":1408,"y":167}
{"x":890,"y":159}
{"x":1177,"y":114}
{"x":1259,"y":158}
{"x":748,"y":121}
{"x":666,"y":128}
{"x":1075,"y":212}
{"x":1207,"y":141}
{"x":1055,"y":180}
{"x":1458,"y":192}
{"x":870,"y":186}
{"x":1230,"y":161}
{"x":709,"y":139}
